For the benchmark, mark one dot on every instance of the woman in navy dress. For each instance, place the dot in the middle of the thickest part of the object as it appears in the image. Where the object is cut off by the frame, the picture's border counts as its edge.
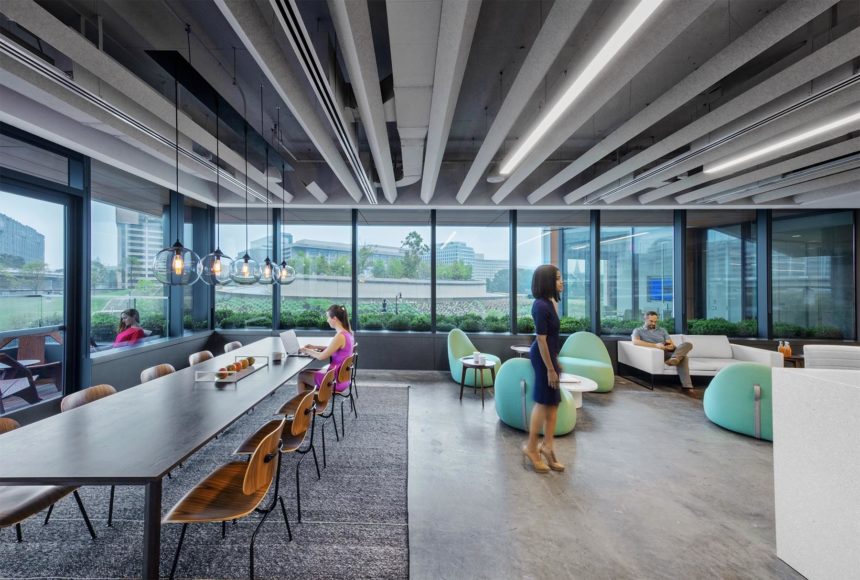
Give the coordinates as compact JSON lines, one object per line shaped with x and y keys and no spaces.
{"x":547,"y":285}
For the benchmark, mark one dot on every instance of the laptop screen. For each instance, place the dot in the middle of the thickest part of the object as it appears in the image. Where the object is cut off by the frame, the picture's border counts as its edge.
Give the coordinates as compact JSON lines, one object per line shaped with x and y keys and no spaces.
{"x":290,"y":341}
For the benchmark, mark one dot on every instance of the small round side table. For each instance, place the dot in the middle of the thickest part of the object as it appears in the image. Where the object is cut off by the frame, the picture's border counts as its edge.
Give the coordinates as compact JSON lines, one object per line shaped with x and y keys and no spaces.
{"x":521,"y":350}
{"x":479,"y":368}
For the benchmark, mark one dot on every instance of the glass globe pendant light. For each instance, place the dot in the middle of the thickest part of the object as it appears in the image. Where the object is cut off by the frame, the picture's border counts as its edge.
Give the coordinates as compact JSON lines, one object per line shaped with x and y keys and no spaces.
{"x":287,"y":274}
{"x":244,"y":269}
{"x":268,"y":271}
{"x":215,"y":267}
{"x":176,"y":265}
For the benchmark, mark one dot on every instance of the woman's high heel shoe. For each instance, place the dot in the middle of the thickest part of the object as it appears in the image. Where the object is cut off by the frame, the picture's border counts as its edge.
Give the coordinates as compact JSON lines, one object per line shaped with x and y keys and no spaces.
{"x":539,"y":466}
{"x":551,"y":461}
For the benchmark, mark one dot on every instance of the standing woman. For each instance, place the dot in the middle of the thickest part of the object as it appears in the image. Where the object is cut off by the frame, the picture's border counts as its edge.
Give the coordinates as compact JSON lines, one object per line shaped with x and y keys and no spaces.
{"x":547,"y":285}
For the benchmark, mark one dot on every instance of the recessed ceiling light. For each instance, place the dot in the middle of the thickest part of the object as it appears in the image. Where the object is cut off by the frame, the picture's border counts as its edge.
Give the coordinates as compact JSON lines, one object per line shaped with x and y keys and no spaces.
{"x":616,"y":42}
{"x":787,"y":142}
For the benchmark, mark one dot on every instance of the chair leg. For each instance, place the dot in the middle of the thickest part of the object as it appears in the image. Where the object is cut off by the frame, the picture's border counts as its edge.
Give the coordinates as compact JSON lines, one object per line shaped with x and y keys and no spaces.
{"x":314,"y":451}
{"x":299,"y":490}
{"x":254,"y":539}
{"x":48,"y":515}
{"x":342,"y":420}
{"x":223,"y":529}
{"x":178,"y":549}
{"x":323,"y":442}
{"x":18,"y":533}
{"x":84,"y":513}
{"x":334,"y":420}
{"x":286,"y":519}
{"x":110,"y":507}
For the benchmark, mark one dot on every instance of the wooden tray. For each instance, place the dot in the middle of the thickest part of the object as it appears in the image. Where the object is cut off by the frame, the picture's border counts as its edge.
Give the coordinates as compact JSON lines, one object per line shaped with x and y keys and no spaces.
{"x":232,"y":376}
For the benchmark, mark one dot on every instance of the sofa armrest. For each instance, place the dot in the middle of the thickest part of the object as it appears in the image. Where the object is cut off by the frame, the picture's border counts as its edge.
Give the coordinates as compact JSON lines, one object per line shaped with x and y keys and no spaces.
{"x":643,"y":358}
{"x":757,"y":355}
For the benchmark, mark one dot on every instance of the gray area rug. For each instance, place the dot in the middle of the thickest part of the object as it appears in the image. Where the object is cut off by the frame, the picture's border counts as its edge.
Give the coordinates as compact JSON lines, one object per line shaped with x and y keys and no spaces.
{"x":354,"y":520}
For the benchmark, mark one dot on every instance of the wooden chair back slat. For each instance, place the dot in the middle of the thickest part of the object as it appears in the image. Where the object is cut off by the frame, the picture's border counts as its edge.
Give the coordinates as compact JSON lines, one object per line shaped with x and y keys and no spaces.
{"x":7,"y":424}
{"x":345,"y":372}
{"x":88,"y":395}
{"x":157,"y":371}
{"x":303,"y":415}
{"x":261,"y":467}
{"x":325,"y":391}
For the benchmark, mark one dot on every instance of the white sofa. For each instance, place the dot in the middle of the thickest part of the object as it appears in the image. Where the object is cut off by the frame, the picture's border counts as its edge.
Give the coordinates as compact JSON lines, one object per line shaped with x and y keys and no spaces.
{"x":710,"y":354}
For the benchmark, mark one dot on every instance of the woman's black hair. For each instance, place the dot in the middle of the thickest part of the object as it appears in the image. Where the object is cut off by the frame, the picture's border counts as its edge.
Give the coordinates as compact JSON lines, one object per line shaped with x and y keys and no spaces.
{"x":543,"y":282}
{"x":338,"y":311}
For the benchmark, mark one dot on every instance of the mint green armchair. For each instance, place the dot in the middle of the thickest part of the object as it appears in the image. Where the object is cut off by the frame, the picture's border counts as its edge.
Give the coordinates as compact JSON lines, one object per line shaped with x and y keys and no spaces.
{"x":584,"y":354}
{"x":514,"y":407}
{"x":733,"y":402}
{"x":459,"y":346}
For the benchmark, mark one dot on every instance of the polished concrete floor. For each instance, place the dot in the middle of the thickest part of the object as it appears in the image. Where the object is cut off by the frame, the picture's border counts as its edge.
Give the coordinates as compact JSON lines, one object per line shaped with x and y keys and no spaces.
{"x":652,"y":490}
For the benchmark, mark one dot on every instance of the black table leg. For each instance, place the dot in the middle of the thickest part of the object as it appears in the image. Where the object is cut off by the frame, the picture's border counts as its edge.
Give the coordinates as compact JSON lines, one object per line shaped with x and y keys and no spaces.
{"x":462,"y":382}
{"x":481,"y":370}
{"x":152,"y":530}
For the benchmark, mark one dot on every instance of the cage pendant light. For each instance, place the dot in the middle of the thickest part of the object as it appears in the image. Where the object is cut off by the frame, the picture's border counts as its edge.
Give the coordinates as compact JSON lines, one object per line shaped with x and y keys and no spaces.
{"x":287,"y":274}
{"x":245,"y":270}
{"x":215,"y":267}
{"x":176,"y":265}
{"x":268,"y":270}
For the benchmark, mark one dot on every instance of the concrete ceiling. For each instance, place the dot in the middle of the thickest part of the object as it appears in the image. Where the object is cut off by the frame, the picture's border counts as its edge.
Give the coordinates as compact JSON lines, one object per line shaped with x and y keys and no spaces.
{"x":417,"y":103}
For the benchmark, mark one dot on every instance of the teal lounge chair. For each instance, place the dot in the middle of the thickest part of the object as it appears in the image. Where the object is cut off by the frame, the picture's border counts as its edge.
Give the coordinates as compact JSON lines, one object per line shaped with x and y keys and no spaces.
{"x":584,"y":354}
{"x":514,"y":408}
{"x":733,"y":402}
{"x":459,"y":346}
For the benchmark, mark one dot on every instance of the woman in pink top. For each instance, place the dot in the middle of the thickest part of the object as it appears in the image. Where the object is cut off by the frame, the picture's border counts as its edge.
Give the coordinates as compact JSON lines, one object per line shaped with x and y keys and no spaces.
{"x":129,"y":331}
{"x":339,"y":349}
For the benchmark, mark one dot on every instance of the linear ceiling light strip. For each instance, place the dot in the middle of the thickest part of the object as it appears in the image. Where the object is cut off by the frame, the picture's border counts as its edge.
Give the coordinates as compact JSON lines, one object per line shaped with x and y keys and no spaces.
{"x":37,"y":65}
{"x":292,"y":20}
{"x":850,"y":81}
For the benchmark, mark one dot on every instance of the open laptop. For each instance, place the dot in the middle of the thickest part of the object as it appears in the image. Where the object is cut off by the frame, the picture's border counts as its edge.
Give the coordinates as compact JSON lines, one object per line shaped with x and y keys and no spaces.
{"x":291,"y":343}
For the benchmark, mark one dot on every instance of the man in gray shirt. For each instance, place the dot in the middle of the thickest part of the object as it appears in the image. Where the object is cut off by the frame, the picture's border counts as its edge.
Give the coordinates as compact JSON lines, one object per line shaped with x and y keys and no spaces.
{"x":649,"y":335}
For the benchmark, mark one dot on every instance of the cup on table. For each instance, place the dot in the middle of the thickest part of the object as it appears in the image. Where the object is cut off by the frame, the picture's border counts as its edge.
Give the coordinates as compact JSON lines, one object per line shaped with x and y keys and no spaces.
{"x":476,"y":357}
{"x":277,"y":356}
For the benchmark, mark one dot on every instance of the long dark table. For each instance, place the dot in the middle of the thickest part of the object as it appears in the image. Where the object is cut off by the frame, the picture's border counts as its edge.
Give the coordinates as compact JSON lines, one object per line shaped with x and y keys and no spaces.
{"x":138,"y":435}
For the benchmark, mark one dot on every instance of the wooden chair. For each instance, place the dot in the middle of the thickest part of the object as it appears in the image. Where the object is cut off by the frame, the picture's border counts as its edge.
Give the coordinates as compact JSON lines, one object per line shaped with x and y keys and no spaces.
{"x":296,"y":429}
{"x":322,"y":396}
{"x":346,"y":374}
{"x":19,"y":502}
{"x":199,"y":357}
{"x":80,"y":399}
{"x":153,"y":373}
{"x":32,"y":347}
{"x":233,"y":491}
{"x":17,"y":381}
{"x":232,"y":346}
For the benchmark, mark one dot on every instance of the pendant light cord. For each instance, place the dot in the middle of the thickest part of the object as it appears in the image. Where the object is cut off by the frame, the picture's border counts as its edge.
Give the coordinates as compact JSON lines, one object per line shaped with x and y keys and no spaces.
{"x":217,"y":172}
{"x":265,"y":164}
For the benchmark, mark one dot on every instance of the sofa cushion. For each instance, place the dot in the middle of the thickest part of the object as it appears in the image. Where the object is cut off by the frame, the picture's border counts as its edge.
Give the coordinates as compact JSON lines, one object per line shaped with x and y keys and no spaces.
{"x":700,"y":364}
{"x":704,"y":346}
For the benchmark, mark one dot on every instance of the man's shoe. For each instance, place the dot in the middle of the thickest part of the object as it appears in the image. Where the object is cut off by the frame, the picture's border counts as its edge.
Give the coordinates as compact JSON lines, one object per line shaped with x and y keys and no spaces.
{"x":673,"y":361}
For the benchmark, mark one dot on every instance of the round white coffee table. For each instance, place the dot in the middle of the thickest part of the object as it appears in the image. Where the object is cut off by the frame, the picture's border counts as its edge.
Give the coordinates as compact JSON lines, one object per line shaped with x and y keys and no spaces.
{"x":521,"y":350}
{"x":576,"y":385}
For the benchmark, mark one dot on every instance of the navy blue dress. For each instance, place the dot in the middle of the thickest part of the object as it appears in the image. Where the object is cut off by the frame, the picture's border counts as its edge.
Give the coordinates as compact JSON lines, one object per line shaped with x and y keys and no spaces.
{"x":548,"y":324}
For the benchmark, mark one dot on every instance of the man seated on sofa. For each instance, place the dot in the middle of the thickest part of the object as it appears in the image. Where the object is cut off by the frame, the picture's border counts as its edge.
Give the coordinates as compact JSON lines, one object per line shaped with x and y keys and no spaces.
{"x":649,"y":335}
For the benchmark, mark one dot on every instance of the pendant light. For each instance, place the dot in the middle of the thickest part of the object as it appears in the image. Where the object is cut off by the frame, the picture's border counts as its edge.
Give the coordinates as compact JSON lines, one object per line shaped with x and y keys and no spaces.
{"x":176,"y":265}
{"x":215,"y":267}
{"x":287,"y":274}
{"x":268,"y":270}
{"x":244,"y":269}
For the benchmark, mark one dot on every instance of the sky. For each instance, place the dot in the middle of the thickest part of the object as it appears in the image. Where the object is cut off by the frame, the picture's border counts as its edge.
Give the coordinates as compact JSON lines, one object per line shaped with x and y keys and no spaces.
{"x":44,"y":217}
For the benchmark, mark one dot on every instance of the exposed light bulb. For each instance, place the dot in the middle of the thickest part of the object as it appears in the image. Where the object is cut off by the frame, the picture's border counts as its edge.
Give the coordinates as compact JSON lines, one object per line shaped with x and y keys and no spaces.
{"x":178,"y":264}
{"x":246,"y":269}
{"x":283,"y":274}
{"x":267,"y":271}
{"x":216,"y":266}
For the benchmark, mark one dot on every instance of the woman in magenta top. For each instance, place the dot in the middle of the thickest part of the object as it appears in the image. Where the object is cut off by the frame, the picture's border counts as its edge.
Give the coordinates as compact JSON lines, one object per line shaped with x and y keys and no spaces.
{"x":339,"y":349}
{"x":129,"y":331}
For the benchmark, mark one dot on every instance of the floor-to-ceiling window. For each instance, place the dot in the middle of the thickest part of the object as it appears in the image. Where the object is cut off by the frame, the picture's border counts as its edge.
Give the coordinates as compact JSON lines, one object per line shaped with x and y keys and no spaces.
{"x":195,"y":236}
{"x":318,"y":245}
{"x":127,"y":231}
{"x":813,"y":274}
{"x":562,"y":239}
{"x":721,"y":272}
{"x":473,"y":270}
{"x":237,"y":305}
{"x":394,"y":270}
{"x":636,"y":269}
{"x":33,"y":275}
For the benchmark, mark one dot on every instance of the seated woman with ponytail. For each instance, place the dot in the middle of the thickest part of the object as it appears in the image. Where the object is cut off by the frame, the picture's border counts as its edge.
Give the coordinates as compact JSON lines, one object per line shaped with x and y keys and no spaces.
{"x":339,"y":349}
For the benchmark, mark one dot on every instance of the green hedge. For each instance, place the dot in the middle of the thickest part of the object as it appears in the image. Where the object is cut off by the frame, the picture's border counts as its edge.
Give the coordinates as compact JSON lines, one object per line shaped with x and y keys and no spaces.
{"x":748,"y":327}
